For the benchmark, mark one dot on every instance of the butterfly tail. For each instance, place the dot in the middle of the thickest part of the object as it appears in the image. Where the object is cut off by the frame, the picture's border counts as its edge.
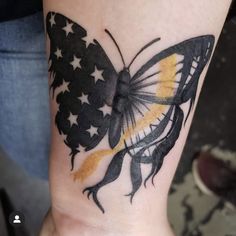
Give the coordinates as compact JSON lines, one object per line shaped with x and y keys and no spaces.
{"x":189,"y":110}
{"x":136,"y":177}
{"x":112,"y":173}
{"x":166,"y":145}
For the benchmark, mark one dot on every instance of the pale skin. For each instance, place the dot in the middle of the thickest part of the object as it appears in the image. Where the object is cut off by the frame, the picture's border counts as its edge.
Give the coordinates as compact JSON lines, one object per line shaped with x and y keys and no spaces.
{"x":133,"y":24}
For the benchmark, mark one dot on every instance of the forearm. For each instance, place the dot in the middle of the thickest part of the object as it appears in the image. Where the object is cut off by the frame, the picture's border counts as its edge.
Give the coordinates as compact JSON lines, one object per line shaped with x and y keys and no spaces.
{"x":118,"y":125}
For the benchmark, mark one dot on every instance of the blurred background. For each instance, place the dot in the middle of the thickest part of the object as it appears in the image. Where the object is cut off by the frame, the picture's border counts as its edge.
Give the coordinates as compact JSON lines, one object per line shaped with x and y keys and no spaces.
{"x":190,"y":211}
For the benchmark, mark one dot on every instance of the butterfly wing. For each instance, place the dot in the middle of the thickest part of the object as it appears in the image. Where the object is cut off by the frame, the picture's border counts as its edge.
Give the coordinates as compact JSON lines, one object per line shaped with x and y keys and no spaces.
{"x":169,"y":78}
{"x":82,"y":79}
{"x":153,"y":123}
{"x":179,"y":67}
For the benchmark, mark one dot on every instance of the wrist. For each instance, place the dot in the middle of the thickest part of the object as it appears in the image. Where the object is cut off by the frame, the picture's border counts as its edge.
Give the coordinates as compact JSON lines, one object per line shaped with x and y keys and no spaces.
{"x":69,"y":225}
{"x":74,"y":214}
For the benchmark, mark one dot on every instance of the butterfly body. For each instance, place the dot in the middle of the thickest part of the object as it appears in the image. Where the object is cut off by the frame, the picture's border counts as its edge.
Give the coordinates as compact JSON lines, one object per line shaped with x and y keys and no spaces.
{"x":119,"y":106}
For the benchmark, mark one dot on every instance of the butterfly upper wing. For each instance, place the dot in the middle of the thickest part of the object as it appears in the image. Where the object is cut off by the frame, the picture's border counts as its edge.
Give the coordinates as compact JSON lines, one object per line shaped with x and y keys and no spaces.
{"x":168,"y":79}
{"x":179,"y":67}
{"x":84,"y":95}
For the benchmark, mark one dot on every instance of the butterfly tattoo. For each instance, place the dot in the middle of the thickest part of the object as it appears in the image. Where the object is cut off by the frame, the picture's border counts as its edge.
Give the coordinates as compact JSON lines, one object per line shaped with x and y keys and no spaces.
{"x":139,"y":113}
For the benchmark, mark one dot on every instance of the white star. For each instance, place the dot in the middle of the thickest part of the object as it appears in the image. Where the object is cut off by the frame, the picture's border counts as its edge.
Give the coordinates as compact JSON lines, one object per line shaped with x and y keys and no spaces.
{"x":105,"y":109}
{"x":76,"y":62}
{"x":64,"y":86}
{"x":92,"y":131}
{"x":68,"y":28}
{"x":52,"y":20}
{"x":97,"y":74}
{"x":84,"y":98}
{"x":73,"y":119}
{"x":88,"y":39}
{"x":58,"y":53}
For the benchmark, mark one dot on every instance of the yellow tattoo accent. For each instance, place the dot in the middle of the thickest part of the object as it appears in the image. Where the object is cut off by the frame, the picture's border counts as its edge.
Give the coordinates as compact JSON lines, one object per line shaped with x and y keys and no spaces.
{"x":90,"y":164}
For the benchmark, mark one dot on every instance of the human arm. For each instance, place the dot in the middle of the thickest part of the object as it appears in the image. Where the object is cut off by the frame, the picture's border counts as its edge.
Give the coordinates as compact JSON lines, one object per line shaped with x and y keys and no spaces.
{"x":133,"y":26}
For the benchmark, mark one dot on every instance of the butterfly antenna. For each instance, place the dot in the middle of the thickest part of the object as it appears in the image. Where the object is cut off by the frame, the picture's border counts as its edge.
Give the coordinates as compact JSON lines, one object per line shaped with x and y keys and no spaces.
{"x":142,"y":49}
{"x":118,"y":48}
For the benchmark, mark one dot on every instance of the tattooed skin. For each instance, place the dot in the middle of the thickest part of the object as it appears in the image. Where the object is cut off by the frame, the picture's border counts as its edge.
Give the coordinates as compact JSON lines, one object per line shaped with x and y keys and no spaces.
{"x":141,"y":113}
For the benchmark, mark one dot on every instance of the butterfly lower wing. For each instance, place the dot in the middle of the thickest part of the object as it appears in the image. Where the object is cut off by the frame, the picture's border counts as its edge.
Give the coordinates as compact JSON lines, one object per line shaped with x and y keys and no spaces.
{"x":158,"y":88}
{"x":82,"y":78}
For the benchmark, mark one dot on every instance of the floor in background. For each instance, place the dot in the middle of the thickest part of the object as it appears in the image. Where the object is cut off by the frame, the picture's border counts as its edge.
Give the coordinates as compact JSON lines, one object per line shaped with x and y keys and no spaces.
{"x":194,"y":213}
{"x":191,"y":213}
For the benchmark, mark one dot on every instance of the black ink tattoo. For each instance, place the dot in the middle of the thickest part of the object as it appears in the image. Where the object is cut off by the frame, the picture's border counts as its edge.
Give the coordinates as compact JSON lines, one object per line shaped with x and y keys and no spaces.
{"x":141,"y":113}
